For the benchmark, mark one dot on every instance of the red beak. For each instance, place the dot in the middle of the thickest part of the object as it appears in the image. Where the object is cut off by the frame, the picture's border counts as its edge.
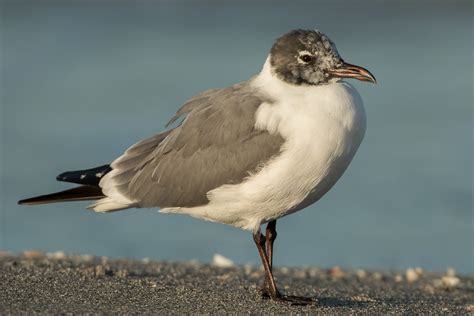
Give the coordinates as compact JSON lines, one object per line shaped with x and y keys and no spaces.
{"x":353,"y":71}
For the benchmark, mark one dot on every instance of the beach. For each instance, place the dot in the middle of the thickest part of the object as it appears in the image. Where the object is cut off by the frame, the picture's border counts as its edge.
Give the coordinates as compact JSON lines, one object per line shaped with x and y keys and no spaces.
{"x":57,"y":283}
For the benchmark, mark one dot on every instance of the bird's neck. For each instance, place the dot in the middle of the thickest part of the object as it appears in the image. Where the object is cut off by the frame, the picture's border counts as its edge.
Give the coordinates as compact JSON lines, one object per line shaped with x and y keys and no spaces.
{"x":268,"y":82}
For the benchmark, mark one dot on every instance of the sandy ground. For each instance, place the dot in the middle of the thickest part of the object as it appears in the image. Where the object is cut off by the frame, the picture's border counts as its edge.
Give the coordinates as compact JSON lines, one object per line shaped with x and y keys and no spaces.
{"x":54,"y":283}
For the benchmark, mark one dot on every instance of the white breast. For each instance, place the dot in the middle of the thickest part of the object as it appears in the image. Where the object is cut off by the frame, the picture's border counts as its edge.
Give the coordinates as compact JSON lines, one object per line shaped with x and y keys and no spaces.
{"x":322,"y":126}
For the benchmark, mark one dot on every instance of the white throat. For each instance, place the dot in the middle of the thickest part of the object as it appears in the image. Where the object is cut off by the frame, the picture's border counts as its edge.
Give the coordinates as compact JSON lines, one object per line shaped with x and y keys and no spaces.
{"x":322,"y":127}
{"x":334,"y":104}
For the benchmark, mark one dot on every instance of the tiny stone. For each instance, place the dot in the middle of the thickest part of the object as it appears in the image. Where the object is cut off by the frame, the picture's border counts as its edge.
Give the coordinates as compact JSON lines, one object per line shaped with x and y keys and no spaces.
{"x":247,"y":269}
{"x":377,"y":275}
{"x":56,"y":255}
{"x":284,"y":270}
{"x":361,"y":274}
{"x":398,"y":278}
{"x":122,"y":273}
{"x":313,"y":272}
{"x":336,"y":272}
{"x":99,"y":270}
{"x":430,"y":289}
{"x":450,"y":281}
{"x":411,"y":275}
{"x":222,"y":262}
{"x":301,"y":274}
{"x":31,"y":254}
{"x":87,"y":257}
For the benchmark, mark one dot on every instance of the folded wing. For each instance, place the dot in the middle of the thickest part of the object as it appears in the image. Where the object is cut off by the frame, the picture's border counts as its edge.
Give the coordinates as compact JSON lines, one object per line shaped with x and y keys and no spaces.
{"x":216,"y":144}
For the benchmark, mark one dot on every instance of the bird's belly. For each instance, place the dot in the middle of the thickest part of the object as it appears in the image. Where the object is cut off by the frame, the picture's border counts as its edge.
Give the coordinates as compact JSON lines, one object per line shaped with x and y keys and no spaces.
{"x":311,"y":168}
{"x":305,"y":170}
{"x":322,"y":174}
{"x":321,"y":136}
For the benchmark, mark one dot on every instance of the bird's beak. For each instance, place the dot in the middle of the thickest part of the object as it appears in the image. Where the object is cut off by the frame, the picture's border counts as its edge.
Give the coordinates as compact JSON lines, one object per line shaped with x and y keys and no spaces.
{"x":353,"y":71}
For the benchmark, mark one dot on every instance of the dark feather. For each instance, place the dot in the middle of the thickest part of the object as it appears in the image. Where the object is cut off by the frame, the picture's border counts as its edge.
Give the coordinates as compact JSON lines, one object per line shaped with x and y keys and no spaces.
{"x":82,"y":193}
{"x":87,"y":177}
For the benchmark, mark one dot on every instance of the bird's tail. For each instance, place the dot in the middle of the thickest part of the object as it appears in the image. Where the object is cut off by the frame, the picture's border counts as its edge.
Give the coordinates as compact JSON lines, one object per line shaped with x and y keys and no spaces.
{"x":88,"y":190}
{"x":81,"y":193}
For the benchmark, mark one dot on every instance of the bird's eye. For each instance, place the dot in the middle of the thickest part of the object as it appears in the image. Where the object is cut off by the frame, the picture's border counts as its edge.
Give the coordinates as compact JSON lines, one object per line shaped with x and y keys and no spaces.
{"x":306,"y":58}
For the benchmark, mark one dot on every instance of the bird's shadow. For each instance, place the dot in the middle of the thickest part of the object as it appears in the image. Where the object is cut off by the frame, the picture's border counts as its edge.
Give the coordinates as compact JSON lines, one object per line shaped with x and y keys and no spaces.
{"x":319,"y":301}
{"x":340,"y":302}
{"x":326,"y":302}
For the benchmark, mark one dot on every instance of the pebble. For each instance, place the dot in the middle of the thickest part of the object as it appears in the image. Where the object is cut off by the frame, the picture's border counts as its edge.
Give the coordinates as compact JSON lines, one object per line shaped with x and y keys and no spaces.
{"x":398,"y":278}
{"x":361,"y":274}
{"x":336,"y":272}
{"x":222,"y":262}
{"x":248,"y":269}
{"x":313,"y":272}
{"x":300,"y":274}
{"x":411,"y":275}
{"x":56,"y":255}
{"x":377,"y":276}
{"x":87,"y":258}
{"x":450,"y":281}
{"x":31,"y":254}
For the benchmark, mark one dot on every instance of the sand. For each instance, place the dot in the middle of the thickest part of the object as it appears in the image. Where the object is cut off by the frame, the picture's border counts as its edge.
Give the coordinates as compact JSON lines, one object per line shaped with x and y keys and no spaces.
{"x":56,"y":283}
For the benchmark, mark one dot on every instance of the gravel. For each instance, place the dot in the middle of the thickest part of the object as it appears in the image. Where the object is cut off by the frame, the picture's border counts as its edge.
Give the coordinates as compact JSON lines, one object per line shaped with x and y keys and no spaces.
{"x":56,"y":283}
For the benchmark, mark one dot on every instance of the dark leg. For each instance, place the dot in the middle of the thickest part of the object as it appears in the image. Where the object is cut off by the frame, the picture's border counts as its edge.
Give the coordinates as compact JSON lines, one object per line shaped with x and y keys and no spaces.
{"x":264,"y":244}
{"x":269,"y":280}
{"x":270,"y":237}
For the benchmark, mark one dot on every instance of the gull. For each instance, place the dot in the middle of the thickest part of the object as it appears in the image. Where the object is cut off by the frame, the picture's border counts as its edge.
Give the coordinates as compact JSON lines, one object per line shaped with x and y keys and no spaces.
{"x":245,"y":155}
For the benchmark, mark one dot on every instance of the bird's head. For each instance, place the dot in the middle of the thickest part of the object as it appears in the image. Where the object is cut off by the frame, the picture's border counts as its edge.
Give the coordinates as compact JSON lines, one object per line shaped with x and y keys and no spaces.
{"x":310,"y":57}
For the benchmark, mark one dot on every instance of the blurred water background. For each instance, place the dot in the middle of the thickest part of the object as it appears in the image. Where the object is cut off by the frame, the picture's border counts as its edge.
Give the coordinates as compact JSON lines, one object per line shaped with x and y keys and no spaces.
{"x":83,"y":80}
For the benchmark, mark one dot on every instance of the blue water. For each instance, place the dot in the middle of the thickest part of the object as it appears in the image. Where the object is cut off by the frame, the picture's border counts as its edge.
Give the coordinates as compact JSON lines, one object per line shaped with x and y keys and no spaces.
{"x":81,"y":81}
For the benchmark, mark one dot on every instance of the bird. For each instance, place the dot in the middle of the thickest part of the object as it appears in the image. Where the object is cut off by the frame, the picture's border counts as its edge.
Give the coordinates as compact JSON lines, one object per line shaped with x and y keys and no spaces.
{"x":244,"y":155}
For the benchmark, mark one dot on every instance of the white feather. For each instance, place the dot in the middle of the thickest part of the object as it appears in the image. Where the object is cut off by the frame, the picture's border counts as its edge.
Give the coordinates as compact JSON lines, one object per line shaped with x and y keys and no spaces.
{"x":114,"y":200}
{"x":323,"y":127}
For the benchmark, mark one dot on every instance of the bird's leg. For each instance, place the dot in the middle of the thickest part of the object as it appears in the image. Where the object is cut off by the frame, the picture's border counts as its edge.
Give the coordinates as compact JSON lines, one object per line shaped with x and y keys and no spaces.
{"x":269,"y":280}
{"x":270,"y":236}
{"x":270,"y":288}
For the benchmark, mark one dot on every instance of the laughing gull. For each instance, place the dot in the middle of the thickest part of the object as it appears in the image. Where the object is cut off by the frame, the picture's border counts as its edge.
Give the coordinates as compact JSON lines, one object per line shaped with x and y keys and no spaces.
{"x":244,"y":155}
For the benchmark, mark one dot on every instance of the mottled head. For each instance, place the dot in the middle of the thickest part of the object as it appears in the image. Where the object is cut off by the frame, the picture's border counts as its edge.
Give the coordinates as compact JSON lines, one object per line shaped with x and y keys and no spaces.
{"x":310,"y":57}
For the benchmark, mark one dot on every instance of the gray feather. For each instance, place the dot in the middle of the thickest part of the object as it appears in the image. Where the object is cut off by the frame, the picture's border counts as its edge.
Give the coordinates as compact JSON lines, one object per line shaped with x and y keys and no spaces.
{"x":194,"y":102}
{"x":216,"y":144}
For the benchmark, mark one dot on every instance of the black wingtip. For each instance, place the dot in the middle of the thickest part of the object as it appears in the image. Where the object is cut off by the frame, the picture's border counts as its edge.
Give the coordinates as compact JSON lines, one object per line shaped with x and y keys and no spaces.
{"x":81,"y":193}
{"x":30,"y":201}
{"x":62,"y":176}
{"x":23,"y":202}
{"x":85,"y":177}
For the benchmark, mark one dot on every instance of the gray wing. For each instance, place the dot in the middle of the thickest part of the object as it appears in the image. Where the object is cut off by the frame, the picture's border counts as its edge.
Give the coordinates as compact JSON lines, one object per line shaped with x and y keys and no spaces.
{"x":216,"y":144}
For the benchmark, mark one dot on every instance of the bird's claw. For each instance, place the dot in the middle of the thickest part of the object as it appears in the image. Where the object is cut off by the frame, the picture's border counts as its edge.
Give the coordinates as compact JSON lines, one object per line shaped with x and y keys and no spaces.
{"x":286,"y":299}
